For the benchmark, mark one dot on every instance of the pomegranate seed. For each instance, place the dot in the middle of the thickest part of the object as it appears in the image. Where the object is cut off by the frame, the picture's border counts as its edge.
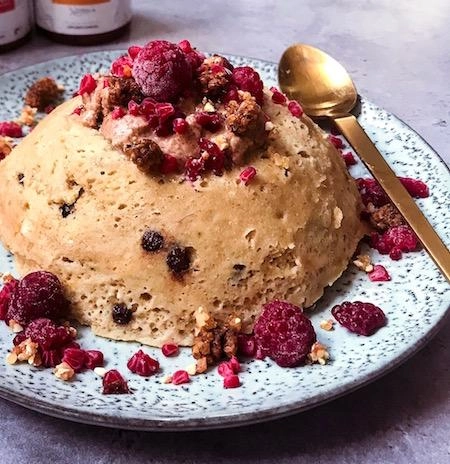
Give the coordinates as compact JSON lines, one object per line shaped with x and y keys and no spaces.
{"x":105,"y":83}
{"x":349,"y":159}
{"x":133,"y":108}
{"x":336,"y":142}
{"x":142,"y":364}
{"x":395,"y":254}
{"x":180,"y":125}
{"x":169,"y":164}
{"x":235,"y":365}
{"x":212,"y":122}
{"x":246,"y":345}
{"x":118,"y":112}
{"x":10,"y":129}
{"x":180,"y":377}
{"x":247,"y":175}
{"x":78,"y":110}
{"x":19,"y":338}
{"x":379,"y":274}
{"x":164,"y":111}
{"x":231,"y":381}
{"x":186,"y":46}
{"x":148,"y":107}
{"x":216,"y":160}
{"x":358,"y":317}
{"x":133,"y":51}
{"x":416,"y":188}
{"x":75,"y":358}
{"x":51,"y":358}
{"x":94,"y":358}
{"x":295,"y":109}
{"x":170,"y":349}
{"x":371,"y":192}
{"x":114,"y":383}
{"x":87,"y":84}
{"x":224,"y":369}
{"x":277,"y":96}
{"x":122,"y":67}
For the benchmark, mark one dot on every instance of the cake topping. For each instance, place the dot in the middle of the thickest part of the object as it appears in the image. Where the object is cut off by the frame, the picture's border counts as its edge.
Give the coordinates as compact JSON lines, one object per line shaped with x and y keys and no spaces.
{"x":178,"y":259}
{"x":114,"y":383}
{"x":121,"y":314}
{"x":142,"y":364}
{"x":358,"y":317}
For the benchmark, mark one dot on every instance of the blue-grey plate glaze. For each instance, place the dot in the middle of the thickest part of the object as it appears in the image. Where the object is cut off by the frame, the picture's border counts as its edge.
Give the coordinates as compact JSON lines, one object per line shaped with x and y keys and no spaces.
{"x":415,"y":301}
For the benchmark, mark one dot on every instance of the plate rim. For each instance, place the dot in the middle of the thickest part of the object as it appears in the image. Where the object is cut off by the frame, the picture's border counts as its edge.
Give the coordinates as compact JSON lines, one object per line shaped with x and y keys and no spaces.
{"x":222,"y":421}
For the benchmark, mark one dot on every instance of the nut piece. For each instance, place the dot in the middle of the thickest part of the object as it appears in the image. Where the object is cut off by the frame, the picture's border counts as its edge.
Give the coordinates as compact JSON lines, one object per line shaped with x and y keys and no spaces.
{"x":144,"y":152}
{"x":363,"y":262}
{"x":100,"y":371}
{"x":64,"y":372}
{"x":191,"y":369}
{"x":27,"y":116}
{"x":318,"y":354}
{"x":26,"y":351}
{"x":327,"y":325}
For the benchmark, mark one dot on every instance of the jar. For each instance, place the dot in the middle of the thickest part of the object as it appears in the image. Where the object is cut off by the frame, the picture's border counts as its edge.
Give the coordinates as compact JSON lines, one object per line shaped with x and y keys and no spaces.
{"x":15,"y":23}
{"x":83,"y":22}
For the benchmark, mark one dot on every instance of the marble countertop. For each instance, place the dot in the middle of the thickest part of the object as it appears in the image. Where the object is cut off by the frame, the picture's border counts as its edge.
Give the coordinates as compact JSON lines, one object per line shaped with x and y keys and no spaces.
{"x":397,"y":55}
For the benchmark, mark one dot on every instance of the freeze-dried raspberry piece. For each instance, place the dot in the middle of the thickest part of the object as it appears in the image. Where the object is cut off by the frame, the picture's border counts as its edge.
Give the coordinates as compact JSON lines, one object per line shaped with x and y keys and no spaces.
{"x":401,"y":238}
{"x":5,"y":295}
{"x":284,"y":333}
{"x":94,"y":358}
{"x":379,"y":274}
{"x":416,"y":188}
{"x":75,"y":358}
{"x":142,"y":364}
{"x":10,"y":129}
{"x":246,"y":78}
{"x":47,"y":334}
{"x":162,"y":71}
{"x":87,"y":84}
{"x":358,"y":317}
{"x":371,"y":192}
{"x":114,"y":383}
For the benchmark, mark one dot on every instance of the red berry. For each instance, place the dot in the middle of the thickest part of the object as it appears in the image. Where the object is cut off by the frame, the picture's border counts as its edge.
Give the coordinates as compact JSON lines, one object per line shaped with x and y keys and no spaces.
{"x":170,"y":349}
{"x":114,"y":383}
{"x":231,"y":381}
{"x":47,"y":334}
{"x":231,"y":94}
{"x":37,"y":295}
{"x":371,"y":192}
{"x":5,"y":296}
{"x":247,"y":79}
{"x":416,"y":188}
{"x":162,"y":71}
{"x":75,"y":358}
{"x":348,"y":158}
{"x":133,"y":51}
{"x":225,"y":369}
{"x":395,"y":254}
{"x":10,"y":129}
{"x":19,"y":338}
{"x":295,"y":109}
{"x":118,"y":112}
{"x":142,"y":364}
{"x":134,"y":108}
{"x":284,"y":333}
{"x":277,"y":96}
{"x":193,"y":57}
{"x":235,"y":365}
{"x":401,"y":238}
{"x":215,"y":161}
{"x":94,"y":358}
{"x":180,"y":125}
{"x":212,"y":122}
{"x":169,"y":164}
{"x":51,"y":358}
{"x":180,"y":377}
{"x":87,"y":84}
{"x":122,"y":66}
{"x":78,"y":110}
{"x":336,"y":141}
{"x":247,"y":175}
{"x":379,"y":274}
{"x":358,"y":317}
{"x":246,"y":345}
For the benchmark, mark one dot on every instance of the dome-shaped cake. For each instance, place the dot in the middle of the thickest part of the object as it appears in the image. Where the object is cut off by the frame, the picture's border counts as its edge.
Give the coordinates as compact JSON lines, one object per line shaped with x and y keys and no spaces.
{"x":225,"y":200}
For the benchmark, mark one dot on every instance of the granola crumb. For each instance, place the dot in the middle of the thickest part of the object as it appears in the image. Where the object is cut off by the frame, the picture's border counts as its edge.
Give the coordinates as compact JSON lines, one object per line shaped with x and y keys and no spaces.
{"x":201,"y":366}
{"x":319,"y":354}
{"x":43,"y":92}
{"x":363,"y":262}
{"x":64,"y":372}
{"x":27,"y":116}
{"x":327,"y":324}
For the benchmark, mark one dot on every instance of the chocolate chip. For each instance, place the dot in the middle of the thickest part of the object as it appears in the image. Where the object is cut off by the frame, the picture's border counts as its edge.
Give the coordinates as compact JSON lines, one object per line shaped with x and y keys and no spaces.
{"x":152,"y":241}
{"x":66,"y":209}
{"x":121,"y":314}
{"x":20,"y":178}
{"x":178,"y":259}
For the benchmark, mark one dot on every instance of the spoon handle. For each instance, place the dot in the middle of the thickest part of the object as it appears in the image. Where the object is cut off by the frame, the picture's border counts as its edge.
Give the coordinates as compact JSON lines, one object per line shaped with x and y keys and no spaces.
{"x":381,"y":171}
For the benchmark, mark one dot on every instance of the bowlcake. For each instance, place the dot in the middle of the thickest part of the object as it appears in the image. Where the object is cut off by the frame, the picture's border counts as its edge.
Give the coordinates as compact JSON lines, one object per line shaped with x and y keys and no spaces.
{"x":250,"y":199}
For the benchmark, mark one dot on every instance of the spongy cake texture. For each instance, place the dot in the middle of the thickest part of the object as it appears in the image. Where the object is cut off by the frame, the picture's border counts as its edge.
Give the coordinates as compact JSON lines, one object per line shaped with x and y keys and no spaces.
{"x":287,"y":235}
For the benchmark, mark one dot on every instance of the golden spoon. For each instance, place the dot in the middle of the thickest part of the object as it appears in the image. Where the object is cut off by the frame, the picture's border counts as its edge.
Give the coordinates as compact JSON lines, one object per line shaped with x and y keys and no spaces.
{"x":325,"y":90}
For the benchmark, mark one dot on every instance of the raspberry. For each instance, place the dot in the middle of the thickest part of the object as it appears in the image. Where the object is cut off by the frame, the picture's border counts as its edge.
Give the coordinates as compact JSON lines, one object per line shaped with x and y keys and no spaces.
{"x":114,"y":383}
{"x":178,"y":259}
{"x":395,"y":254}
{"x":371,"y":192}
{"x":193,"y":57}
{"x":94,"y":358}
{"x":247,"y":175}
{"x":246,"y":345}
{"x":212,"y":122}
{"x":180,"y":126}
{"x":401,"y":238}
{"x":118,"y":112}
{"x":358,"y":317}
{"x":47,"y":334}
{"x":231,"y":94}
{"x":87,"y":84}
{"x":336,"y":142}
{"x":121,"y":314}
{"x":179,"y":377}
{"x":122,"y":66}
{"x":379,"y":274}
{"x":5,"y":296}
{"x":295,"y":109}
{"x":75,"y":358}
{"x":170,"y":349}
{"x":284,"y":333}
{"x":231,"y":381}
{"x":10,"y":129}
{"x":230,"y":367}
{"x":277,"y":96}
{"x":416,"y":188}
{"x":349,"y":159}
{"x":38,"y":294}
{"x":162,"y":71}
{"x":169,"y":164}
{"x":247,"y":79}
{"x":142,"y":364}
{"x":152,"y":241}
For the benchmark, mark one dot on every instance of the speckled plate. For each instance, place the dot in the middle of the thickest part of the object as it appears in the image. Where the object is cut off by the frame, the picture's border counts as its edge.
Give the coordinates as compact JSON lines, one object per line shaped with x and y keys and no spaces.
{"x":415,"y":301}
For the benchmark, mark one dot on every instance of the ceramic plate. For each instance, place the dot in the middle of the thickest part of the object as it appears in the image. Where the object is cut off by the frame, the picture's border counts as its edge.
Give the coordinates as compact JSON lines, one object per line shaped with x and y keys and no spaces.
{"x":415,"y":301}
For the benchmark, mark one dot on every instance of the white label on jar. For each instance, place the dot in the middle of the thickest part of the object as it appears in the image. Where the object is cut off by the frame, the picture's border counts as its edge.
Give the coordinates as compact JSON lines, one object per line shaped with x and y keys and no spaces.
{"x":82,"y":17}
{"x":15,"y":20}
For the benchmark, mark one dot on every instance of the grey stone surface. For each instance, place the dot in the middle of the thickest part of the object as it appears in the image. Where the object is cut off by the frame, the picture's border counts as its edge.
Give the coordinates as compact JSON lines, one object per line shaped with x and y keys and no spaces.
{"x":397,"y":53}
